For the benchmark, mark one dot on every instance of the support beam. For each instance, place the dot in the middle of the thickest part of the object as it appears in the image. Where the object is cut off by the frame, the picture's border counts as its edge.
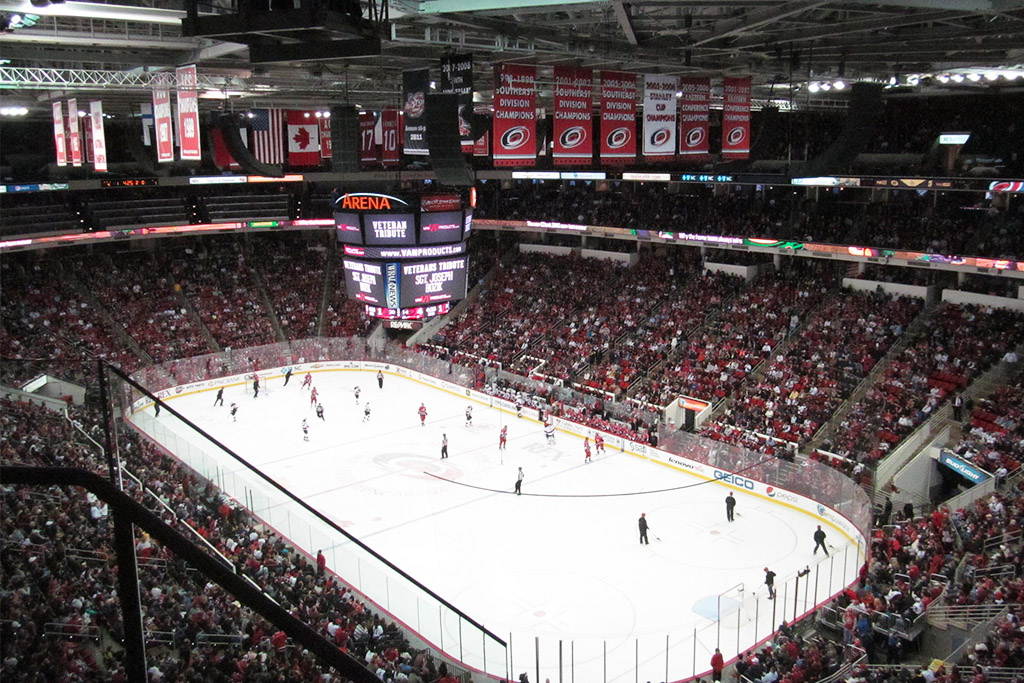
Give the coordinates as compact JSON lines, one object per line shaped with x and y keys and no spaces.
{"x":625,"y":21}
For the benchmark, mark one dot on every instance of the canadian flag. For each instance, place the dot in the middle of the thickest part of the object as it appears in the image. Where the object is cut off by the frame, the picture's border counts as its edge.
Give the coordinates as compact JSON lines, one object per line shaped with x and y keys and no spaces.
{"x":303,"y":139}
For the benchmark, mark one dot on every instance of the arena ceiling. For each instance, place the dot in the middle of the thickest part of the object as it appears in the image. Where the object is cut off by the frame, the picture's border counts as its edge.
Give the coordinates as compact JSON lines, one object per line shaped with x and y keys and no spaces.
{"x":112,"y":50}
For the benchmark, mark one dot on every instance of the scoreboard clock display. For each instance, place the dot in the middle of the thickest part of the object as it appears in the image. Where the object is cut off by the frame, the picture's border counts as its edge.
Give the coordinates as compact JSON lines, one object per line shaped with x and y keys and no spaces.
{"x":129,"y":182}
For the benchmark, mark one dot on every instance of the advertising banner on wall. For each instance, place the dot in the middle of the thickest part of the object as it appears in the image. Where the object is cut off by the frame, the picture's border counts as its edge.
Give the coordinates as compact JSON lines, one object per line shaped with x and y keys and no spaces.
{"x":188,"y":113}
{"x":162,"y":126}
{"x":457,"y":79}
{"x":736,"y":118}
{"x":99,"y":138}
{"x":573,"y":115}
{"x":660,"y":117}
{"x":415,"y":85}
{"x":515,"y":115}
{"x":694,"y":119}
{"x":618,"y":117}
{"x":59,"y":144}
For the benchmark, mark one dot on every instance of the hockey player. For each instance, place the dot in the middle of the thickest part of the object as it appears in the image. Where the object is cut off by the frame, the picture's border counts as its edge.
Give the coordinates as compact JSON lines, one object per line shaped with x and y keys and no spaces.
{"x":519,"y":407}
{"x":380,"y":379}
{"x":423,"y":415}
{"x":469,"y":416}
{"x":586,"y":450}
{"x":598,"y":443}
{"x":502,"y":438}
{"x":312,"y":397}
{"x":366,"y":412}
{"x":255,"y":385}
{"x":307,"y":381}
{"x":320,"y":411}
{"x":356,"y":391}
{"x":549,"y":432}
{"x":305,"y":430}
{"x":234,"y":412}
{"x":219,"y":400}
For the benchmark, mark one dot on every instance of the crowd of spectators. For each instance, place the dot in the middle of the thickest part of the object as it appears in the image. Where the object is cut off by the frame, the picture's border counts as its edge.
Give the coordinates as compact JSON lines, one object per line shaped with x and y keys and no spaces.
{"x":993,"y":438}
{"x":292,"y":269}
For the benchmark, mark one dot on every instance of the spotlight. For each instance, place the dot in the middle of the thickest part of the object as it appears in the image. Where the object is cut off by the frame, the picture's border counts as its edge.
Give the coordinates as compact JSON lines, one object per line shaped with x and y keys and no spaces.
{"x":991,"y":76}
{"x":974,"y":78}
{"x":943,"y":78}
{"x":893,"y":80}
{"x":826,"y":86}
{"x":913,"y":80}
{"x":957,"y":78}
{"x":319,"y":114}
{"x":327,"y":114}
{"x":305,"y":114}
{"x":814,"y":87}
{"x":839,"y":85}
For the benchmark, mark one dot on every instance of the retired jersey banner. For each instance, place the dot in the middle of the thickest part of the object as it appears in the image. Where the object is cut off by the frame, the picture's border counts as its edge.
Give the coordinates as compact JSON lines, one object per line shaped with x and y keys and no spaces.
{"x":515,"y":115}
{"x":457,"y":79}
{"x":188,"y":113}
{"x":618,"y":117}
{"x":736,"y":118}
{"x":573,"y":115}
{"x":59,"y":143}
{"x":390,"y":134}
{"x":367,"y":137}
{"x":325,"y":137}
{"x":660,"y":117}
{"x":162,"y":125}
{"x":694,"y":116}
{"x":98,"y":135}
{"x":74,"y":133}
{"x":415,"y":85}
{"x":303,"y":139}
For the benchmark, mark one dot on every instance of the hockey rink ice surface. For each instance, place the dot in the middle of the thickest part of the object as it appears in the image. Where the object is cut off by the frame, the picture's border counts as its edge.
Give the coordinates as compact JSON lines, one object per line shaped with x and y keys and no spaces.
{"x":558,"y":562}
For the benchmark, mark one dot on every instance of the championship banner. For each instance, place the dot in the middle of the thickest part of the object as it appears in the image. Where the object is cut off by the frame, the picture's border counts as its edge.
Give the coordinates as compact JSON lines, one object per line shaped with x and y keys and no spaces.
{"x":660,"y":117}
{"x":325,"y":138}
{"x":573,"y":115}
{"x":162,"y":125}
{"x":188,"y":113}
{"x":390,"y":125}
{"x":618,"y":117}
{"x":415,"y":85}
{"x":74,"y":133}
{"x":694,"y":117}
{"x":482,"y":147}
{"x":457,"y":79}
{"x":87,"y":144}
{"x":59,"y":144}
{"x":736,"y":118}
{"x":367,"y":137}
{"x":515,"y":115}
{"x":99,"y":137}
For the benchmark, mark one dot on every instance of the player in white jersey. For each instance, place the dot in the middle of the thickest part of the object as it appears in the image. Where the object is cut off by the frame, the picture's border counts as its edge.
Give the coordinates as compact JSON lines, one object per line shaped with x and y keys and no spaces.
{"x":305,"y":430}
{"x":356,"y":391}
{"x":366,"y":412}
{"x":549,"y":432}
{"x":469,"y":416}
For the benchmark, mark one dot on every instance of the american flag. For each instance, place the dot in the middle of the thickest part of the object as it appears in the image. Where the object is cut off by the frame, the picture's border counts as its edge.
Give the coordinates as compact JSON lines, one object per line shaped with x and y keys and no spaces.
{"x":268,"y":135}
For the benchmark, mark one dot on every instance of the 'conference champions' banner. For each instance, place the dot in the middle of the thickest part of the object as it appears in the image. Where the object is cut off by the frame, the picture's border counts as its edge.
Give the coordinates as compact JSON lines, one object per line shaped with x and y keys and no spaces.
{"x":515,"y":115}
{"x":59,"y":144}
{"x":162,"y":126}
{"x":660,"y":117}
{"x":188,"y":113}
{"x":573,"y":114}
{"x":457,"y":79}
{"x":694,"y":120}
{"x":736,"y":118}
{"x":415,"y":85}
{"x":74,"y":133}
{"x":98,"y":136}
{"x":618,"y":117}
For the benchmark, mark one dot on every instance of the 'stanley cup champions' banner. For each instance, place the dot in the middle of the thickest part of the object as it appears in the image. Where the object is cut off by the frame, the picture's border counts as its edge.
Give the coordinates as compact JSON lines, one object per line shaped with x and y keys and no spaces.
{"x":415,"y":84}
{"x":573,"y":114}
{"x":736,"y":118}
{"x":694,"y":106}
{"x":188,"y":113}
{"x":457,"y":79}
{"x":660,"y":117}
{"x":618,"y":117}
{"x":98,"y":136}
{"x":515,"y":115}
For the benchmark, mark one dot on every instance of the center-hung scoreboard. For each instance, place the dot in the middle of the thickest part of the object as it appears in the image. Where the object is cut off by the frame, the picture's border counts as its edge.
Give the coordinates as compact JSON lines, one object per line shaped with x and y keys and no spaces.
{"x":405,"y":257}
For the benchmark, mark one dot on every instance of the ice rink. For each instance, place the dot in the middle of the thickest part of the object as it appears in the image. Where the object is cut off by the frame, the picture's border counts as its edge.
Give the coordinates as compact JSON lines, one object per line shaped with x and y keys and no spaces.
{"x":561,"y":562}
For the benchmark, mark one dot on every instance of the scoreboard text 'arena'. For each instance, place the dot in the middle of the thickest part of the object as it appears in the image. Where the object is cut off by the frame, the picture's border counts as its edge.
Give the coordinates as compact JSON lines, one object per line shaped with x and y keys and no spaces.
{"x":404,"y":256}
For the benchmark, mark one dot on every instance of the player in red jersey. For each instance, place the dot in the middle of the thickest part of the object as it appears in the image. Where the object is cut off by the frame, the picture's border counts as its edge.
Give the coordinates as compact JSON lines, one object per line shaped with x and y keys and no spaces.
{"x":423,"y":415}
{"x":586,"y":450}
{"x":598,"y":443}
{"x":312,"y":398}
{"x":502,"y":438}
{"x":307,"y":381}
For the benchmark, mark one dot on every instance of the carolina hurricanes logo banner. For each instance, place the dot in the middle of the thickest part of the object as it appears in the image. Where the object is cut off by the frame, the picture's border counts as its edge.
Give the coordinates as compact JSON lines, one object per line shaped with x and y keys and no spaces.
{"x":415,"y":84}
{"x":660,"y":117}
{"x":457,"y":79}
{"x":736,"y":118}
{"x":618,"y":117}
{"x":515,"y":115}
{"x":58,"y":134}
{"x":694,"y":121}
{"x":574,"y":104}
{"x":98,"y":135}
{"x":390,"y":127}
{"x":188,"y":113}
